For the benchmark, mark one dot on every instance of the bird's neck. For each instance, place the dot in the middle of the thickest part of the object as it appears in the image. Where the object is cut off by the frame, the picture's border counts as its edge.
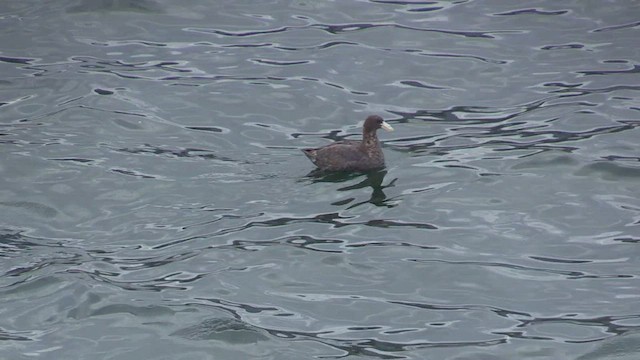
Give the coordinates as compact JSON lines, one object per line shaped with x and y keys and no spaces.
{"x":369,"y":138}
{"x":369,"y":142}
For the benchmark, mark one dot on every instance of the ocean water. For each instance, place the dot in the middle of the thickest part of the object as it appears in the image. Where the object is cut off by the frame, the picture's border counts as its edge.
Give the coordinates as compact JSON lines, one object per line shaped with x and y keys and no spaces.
{"x":154,"y":202}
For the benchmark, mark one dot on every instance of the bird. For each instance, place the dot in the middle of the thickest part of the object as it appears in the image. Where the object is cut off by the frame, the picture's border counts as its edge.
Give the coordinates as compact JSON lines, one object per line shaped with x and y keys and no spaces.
{"x":352,"y":155}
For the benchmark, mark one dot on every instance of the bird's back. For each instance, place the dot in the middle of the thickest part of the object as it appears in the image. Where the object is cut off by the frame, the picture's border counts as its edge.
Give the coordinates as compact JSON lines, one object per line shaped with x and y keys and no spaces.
{"x":345,"y":155}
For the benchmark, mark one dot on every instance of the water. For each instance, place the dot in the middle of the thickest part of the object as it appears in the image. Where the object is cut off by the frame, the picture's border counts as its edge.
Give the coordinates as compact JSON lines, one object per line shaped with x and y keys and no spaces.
{"x":155,"y":203}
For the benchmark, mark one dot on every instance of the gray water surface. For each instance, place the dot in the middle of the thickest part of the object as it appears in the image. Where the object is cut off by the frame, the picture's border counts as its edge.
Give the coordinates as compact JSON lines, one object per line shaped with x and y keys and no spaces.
{"x":155,"y":203}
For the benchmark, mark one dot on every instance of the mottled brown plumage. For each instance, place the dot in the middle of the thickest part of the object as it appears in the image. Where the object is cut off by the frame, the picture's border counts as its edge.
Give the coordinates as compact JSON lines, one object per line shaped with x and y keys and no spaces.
{"x":352,"y":155}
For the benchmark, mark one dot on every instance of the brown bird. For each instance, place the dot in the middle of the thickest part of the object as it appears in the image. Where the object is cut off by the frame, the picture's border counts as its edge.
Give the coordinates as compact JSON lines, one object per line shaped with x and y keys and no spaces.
{"x":352,"y":155}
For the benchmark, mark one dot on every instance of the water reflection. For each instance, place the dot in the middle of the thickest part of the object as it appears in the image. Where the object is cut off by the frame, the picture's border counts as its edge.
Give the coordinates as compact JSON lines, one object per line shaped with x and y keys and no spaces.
{"x":373,"y":179}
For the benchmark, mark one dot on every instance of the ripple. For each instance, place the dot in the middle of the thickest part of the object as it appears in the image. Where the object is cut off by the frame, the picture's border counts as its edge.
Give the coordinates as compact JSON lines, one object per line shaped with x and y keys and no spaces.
{"x":321,"y":46}
{"x":610,"y":171}
{"x":533,"y":11}
{"x":416,"y":84}
{"x":521,"y":272}
{"x":12,"y":242}
{"x":153,"y":184}
{"x":157,"y":284}
{"x":349,"y":340}
{"x":281,"y":63}
{"x":334,"y":219}
{"x":301,"y":241}
{"x":561,"y":261}
{"x":103,"y":92}
{"x":510,"y":314}
{"x":196,"y":153}
{"x":134,"y":173}
{"x":603,"y":324}
{"x":15,"y":335}
{"x":228,"y":330}
{"x":33,"y":208}
{"x":562,"y":47}
{"x":618,"y":27}
{"x":416,"y":6}
{"x":85,"y":310}
{"x":17,"y":60}
{"x":122,"y":69}
{"x":500,"y":130}
{"x":214,"y":129}
{"x":634,"y":70}
{"x":79,"y":161}
{"x":580,"y":91}
{"x":337,"y":29}
{"x":140,"y":6}
{"x":620,"y":347}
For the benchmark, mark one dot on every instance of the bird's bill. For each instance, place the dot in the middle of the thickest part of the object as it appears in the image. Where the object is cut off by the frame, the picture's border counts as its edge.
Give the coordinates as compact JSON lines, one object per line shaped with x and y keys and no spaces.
{"x":385,"y":125}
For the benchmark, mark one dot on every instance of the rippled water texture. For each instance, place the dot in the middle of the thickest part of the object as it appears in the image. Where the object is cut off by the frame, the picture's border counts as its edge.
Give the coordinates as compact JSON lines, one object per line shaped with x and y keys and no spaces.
{"x":155,"y":203}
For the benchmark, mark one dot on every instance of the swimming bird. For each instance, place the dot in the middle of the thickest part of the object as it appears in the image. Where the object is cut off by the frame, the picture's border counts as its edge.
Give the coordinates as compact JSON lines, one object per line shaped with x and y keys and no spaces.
{"x":352,"y":155}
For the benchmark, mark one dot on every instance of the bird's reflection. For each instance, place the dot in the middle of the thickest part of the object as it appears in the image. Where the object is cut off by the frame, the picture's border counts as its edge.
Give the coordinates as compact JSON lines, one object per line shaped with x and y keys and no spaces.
{"x":373,"y":179}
